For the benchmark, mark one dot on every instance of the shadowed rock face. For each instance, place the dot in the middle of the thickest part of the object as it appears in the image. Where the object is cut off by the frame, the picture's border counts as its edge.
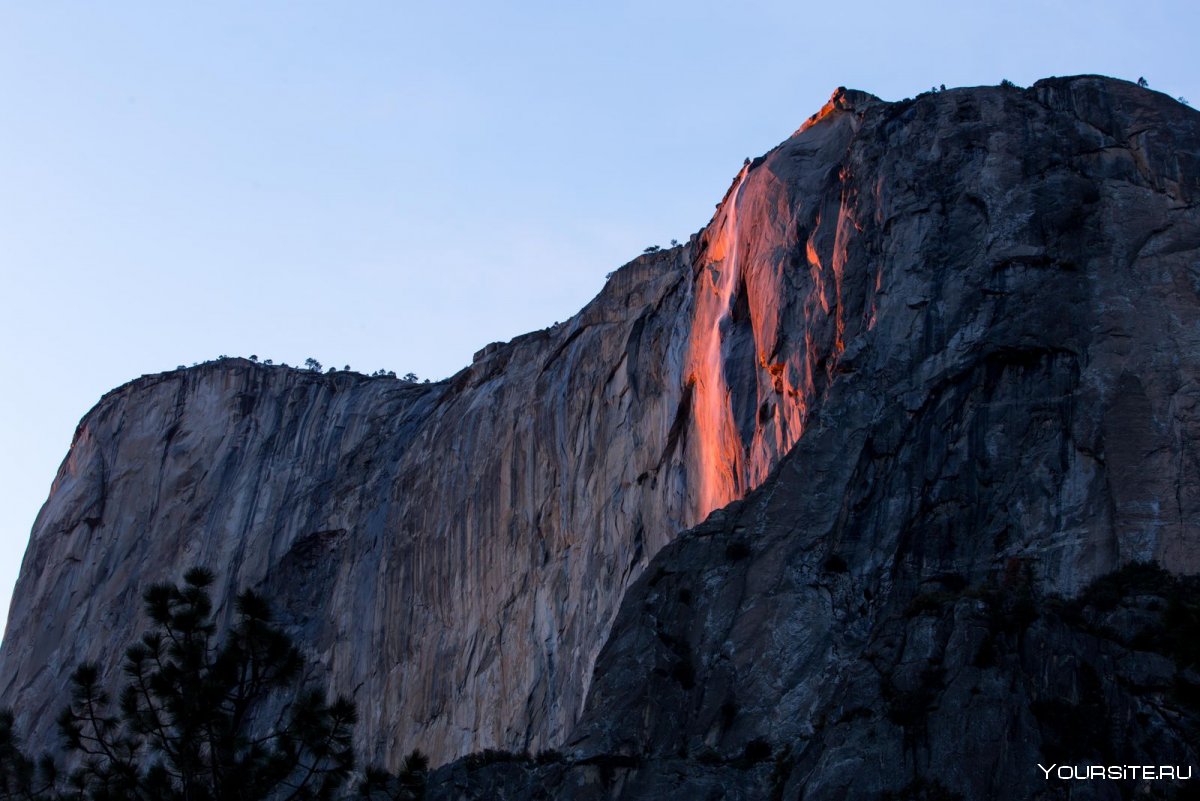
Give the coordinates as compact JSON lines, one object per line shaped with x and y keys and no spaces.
{"x":969,"y":319}
{"x":1014,"y":414}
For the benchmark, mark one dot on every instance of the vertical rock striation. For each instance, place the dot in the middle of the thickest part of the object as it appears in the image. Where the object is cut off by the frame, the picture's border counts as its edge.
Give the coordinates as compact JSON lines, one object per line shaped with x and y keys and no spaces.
{"x":971,"y":319}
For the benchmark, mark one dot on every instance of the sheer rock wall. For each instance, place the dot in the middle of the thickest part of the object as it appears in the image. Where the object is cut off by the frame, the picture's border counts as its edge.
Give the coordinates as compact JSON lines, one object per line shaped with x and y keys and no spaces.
{"x":971,"y":319}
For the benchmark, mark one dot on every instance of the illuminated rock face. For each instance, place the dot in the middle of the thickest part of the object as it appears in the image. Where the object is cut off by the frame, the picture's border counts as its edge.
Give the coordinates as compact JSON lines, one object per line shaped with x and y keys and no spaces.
{"x":767,"y":316}
{"x":971,"y":319}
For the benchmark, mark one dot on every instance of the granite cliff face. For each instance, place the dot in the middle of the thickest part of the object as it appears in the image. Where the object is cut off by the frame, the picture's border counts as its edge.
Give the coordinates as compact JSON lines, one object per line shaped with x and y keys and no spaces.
{"x":905,"y":608}
{"x":969,"y":322}
{"x":454,"y":553}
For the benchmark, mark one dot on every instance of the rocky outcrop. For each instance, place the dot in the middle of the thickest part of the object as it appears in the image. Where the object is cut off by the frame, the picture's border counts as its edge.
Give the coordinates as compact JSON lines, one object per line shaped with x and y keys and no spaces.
{"x":968,"y":320}
{"x":1014,"y":416}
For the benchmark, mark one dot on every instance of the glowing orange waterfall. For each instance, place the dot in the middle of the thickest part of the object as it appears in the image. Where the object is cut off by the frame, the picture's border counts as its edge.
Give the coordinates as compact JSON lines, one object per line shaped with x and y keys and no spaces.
{"x":740,"y":287}
{"x":720,"y":456}
{"x":769,"y":319}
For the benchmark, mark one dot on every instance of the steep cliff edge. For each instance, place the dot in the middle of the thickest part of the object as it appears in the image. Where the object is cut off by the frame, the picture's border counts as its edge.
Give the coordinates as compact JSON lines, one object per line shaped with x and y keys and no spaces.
{"x":455,"y":553}
{"x":974,"y":315}
{"x":890,"y":614}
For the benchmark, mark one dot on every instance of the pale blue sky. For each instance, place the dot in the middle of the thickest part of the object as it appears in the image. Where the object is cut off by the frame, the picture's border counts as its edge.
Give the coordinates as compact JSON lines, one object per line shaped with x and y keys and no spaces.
{"x":396,"y":184}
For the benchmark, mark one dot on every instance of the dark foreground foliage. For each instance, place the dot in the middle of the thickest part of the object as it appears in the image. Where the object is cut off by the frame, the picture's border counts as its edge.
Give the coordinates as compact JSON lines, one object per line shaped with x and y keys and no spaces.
{"x":201,"y":719}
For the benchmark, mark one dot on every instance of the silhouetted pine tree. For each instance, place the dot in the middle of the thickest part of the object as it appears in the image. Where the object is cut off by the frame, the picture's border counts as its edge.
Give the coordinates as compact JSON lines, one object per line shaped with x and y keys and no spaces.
{"x":186,"y":728}
{"x":19,"y":777}
{"x":380,"y":785}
